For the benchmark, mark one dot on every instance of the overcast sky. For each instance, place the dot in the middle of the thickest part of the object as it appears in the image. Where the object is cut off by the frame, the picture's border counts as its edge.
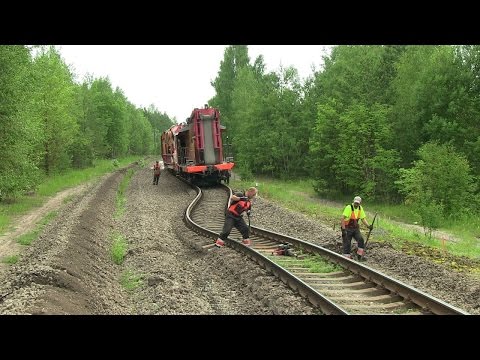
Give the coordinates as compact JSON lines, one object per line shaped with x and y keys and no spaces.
{"x":176,"y":78}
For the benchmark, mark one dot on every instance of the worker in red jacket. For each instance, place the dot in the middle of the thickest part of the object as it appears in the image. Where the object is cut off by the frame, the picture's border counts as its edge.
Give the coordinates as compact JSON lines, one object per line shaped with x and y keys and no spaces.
{"x":239,"y":203}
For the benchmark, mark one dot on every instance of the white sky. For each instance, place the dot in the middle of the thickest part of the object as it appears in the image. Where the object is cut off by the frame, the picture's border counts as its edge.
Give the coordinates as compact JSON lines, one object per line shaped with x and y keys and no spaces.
{"x":176,"y":78}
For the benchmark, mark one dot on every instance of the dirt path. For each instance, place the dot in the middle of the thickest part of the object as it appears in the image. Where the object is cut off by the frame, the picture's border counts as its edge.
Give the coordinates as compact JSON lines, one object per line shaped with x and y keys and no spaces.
{"x":27,"y":223}
{"x":67,"y":270}
{"x":438,"y":234}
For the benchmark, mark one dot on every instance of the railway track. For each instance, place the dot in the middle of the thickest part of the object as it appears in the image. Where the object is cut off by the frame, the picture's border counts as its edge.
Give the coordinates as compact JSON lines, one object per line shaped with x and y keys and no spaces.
{"x":333,"y":283}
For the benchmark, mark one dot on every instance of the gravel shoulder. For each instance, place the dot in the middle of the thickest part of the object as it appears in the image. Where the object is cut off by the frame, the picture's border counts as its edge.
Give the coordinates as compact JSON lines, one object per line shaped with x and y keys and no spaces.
{"x":69,"y":270}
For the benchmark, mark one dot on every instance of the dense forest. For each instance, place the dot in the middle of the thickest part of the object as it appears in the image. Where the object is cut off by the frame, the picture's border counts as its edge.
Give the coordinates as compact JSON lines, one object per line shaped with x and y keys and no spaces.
{"x":50,"y":123}
{"x":392,"y":123}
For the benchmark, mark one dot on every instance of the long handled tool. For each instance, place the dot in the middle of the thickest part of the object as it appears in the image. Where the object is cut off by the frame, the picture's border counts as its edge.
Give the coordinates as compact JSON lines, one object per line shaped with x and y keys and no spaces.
{"x":370,"y":231}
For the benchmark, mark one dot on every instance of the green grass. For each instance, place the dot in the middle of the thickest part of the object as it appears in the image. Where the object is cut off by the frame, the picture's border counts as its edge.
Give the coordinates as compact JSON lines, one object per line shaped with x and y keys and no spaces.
{"x":27,"y":239}
{"x":316,"y":264}
{"x":402,"y":213}
{"x":76,"y":177}
{"x":403,"y":311}
{"x":67,"y":199}
{"x":13,"y":259}
{"x":22,"y":206}
{"x":53,"y":184}
{"x":121,"y":200}
{"x":295,"y":195}
{"x":119,"y":248}
{"x":312,"y":263}
{"x":130,"y":280}
{"x":298,"y":195}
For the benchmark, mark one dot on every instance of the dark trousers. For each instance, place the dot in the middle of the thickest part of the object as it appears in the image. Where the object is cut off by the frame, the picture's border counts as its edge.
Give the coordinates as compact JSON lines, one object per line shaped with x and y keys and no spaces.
{"x":347,"y":240}
{"x":155,"y":179}
{"x":230,"y":222}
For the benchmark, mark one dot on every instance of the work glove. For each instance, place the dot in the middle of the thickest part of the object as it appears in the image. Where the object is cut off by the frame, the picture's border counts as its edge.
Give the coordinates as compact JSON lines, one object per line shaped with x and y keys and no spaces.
{"x":370,"y":227}
{"x":344,"y":233}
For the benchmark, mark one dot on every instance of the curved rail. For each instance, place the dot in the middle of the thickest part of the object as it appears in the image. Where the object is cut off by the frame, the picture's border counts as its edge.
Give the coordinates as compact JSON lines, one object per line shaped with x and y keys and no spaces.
{"x":356,"y":289}
{"x":427,"y":303}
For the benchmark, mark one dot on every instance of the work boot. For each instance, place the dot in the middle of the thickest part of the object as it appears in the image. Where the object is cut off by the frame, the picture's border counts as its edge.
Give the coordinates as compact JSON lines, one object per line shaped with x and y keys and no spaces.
{"x":348,"y":256}
{"x":219,"y":243}
{"x":247,"y":242}
{"x":360,"y":253}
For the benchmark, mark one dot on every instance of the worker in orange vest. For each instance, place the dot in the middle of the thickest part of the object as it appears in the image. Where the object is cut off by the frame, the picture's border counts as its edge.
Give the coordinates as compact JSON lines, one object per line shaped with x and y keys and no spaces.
{"x":350,"y":227}
{"x":239,"y":203}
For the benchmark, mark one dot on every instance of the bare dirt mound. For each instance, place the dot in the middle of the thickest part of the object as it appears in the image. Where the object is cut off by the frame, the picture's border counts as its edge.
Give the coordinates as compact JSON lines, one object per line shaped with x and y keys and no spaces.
{"x":27,"y":222}
{"x":67,"y":270}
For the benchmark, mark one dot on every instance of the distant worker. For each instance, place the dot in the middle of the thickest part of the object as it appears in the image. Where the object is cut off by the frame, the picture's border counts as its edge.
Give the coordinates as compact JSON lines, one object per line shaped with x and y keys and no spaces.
{"x":350,"y":227}
{"x":239,"y":203}
{"x":156,"y":172}
{"x":206,"y":106}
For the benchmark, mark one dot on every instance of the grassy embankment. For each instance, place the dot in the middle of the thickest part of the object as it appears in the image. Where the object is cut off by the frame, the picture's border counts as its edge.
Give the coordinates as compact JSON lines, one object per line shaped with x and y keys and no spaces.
{"x":53,"y":184}
{"x":395,"y":223}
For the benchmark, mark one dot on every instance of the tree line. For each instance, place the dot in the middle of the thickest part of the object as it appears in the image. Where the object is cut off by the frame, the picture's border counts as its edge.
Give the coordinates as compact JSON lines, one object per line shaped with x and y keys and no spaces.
{"x":50,"y":123}
{"x":394,"y":123}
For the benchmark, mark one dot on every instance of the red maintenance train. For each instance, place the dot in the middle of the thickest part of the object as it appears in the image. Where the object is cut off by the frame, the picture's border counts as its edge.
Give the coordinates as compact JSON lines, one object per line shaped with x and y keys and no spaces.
{"x":194,"y":150}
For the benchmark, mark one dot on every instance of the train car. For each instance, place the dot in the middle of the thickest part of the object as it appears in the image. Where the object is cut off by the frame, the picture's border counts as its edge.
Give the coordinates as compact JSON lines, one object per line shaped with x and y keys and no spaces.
{"x":194,"y":150}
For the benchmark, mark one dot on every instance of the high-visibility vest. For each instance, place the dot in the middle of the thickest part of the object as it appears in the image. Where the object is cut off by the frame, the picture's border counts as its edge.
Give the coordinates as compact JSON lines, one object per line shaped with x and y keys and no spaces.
{"x":353,"y":221}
